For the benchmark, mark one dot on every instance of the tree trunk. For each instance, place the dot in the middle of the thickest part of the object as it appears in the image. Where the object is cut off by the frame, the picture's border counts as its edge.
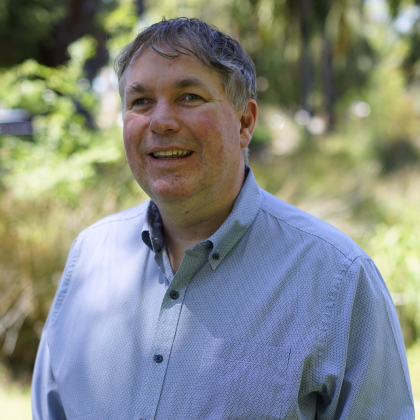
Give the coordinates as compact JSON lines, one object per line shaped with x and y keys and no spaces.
{"x":79,"y":20}
{"x":328,"y":79}
{"x":139,"y":7}
{"x":306,"y":62}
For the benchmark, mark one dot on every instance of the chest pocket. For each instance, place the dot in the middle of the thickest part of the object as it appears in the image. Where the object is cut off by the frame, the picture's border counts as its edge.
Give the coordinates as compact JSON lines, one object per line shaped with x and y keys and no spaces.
{"x":240,"y":380}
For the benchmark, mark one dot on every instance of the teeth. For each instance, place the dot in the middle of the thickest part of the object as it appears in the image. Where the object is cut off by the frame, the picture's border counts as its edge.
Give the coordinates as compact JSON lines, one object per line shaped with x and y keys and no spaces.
{"x":172,"y":152}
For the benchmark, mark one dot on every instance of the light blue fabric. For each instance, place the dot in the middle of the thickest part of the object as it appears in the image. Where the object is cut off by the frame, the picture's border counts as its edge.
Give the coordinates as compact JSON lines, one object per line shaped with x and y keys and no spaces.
{"x":279,"y":316}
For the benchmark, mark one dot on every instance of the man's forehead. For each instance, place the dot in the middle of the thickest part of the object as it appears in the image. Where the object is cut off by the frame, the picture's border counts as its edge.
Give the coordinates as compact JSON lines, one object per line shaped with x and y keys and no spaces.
{"x":187,"y":78}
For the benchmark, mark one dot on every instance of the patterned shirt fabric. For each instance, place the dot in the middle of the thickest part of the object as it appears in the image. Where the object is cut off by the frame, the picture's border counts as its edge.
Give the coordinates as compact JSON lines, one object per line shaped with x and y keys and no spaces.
{"x":278,"y":315}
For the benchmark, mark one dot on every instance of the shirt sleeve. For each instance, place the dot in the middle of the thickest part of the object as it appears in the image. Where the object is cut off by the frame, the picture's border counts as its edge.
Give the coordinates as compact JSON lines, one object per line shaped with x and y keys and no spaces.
{"x":46,"y":402}
{"x":45,"y":397}
{"x":363,"y":365}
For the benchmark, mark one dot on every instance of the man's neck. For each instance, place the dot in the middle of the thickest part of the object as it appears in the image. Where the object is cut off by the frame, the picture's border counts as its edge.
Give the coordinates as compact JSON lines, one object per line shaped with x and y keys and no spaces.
{"x":180,"y":237}
{"x":185,"y":226}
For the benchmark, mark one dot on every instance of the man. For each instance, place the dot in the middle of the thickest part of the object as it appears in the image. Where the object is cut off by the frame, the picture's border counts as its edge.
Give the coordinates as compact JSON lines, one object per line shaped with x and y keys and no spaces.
{"x":214,"y":300}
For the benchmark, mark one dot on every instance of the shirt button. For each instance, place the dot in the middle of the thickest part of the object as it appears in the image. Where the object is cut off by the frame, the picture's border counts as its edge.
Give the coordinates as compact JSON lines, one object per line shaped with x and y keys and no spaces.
{"x":174,"y":294}
{"x":215,"y":256}
{"x":158,"y":358}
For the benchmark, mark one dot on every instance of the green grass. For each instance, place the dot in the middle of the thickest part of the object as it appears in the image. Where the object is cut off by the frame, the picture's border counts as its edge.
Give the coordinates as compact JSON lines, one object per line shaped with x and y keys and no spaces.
{"x":15,"y":402}
{"x":413,"y":357}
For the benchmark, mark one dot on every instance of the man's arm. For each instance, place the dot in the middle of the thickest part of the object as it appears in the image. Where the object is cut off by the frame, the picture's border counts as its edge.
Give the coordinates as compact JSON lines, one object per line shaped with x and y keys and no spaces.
{"x":368,"y":377}
{"x":46,"y":402}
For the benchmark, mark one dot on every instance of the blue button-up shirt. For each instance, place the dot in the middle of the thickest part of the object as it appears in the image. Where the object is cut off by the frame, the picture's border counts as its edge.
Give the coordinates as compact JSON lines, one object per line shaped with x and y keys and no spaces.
{"x":277,"y":315}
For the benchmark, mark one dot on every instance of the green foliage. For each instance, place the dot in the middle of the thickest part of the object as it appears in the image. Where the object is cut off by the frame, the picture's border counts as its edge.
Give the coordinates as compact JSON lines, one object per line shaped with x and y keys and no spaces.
{"x":394,"y":244}
{"x":122,"y":24}
{"x":262,"y":135}
{"x":413,"y":358}
{"x":396,"y":250}
{"x":60,"y":157}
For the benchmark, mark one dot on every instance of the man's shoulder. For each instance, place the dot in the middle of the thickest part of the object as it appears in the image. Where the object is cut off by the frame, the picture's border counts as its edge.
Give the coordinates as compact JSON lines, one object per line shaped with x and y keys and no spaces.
{"x":309,"y":227}
{"x":134,"y":214}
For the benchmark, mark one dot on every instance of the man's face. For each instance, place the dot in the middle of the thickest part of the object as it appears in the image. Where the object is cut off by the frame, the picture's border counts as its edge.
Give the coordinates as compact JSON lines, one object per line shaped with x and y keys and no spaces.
{"x":182,"y":136}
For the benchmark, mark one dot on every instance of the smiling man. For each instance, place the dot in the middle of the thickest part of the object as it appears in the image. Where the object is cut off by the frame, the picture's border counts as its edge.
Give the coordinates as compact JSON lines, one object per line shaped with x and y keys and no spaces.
{"x":184,"y":142}
{"x":214,"y":300}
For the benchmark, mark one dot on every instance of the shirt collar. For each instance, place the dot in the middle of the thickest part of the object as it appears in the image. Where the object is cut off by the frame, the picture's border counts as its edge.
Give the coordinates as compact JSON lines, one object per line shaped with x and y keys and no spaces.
{"x":240,"y":219}
{"x":152,"y":233}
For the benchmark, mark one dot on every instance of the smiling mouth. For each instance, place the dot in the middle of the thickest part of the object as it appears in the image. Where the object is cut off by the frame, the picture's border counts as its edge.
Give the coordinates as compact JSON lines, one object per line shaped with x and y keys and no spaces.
{"x":171,"y":154}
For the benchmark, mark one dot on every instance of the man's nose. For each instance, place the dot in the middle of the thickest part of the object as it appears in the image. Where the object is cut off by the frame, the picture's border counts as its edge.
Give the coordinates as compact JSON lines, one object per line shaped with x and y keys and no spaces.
{"x":164,"y":119}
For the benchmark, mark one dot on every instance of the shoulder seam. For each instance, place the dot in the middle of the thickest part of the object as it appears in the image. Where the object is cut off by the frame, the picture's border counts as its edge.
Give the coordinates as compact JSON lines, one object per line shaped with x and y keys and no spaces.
{"x":326,"y":319}
{"x":312,"y":234}
{"x":326,"y":316}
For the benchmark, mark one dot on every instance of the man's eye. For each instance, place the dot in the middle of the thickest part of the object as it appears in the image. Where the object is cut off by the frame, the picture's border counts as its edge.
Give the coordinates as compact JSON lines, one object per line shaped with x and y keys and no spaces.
{"x":191,"y":97}
{"x":141,"y":101}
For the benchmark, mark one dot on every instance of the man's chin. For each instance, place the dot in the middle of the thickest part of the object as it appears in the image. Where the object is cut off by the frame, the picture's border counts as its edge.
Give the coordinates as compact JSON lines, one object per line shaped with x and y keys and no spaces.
{"x":162,"y":191}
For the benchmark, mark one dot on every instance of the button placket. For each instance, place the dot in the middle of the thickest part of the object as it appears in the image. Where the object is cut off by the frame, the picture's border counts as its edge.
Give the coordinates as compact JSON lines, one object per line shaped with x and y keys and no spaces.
{"x":164,"y":337}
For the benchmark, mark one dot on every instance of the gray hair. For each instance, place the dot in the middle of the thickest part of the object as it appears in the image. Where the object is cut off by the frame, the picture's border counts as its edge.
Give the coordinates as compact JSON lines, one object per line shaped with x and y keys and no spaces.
{"x":219,"y":52}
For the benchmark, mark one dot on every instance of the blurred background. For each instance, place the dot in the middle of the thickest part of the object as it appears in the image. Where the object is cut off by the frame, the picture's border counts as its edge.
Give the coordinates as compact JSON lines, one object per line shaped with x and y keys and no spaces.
{"x":338,"y":135}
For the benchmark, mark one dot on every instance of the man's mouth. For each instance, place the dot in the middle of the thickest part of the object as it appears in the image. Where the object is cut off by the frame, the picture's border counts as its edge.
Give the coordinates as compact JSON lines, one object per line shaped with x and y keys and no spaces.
{"x":171,"y":154}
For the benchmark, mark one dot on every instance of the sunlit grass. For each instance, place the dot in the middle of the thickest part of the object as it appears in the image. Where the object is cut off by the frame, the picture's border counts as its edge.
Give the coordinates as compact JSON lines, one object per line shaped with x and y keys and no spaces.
{"x":15,"y":401}
{"x":413,"y":357}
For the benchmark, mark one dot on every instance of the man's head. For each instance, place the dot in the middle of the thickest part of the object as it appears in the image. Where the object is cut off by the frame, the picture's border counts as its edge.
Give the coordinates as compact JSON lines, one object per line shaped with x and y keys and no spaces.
{"x":187,"y":112}
{"x":217,"y":51}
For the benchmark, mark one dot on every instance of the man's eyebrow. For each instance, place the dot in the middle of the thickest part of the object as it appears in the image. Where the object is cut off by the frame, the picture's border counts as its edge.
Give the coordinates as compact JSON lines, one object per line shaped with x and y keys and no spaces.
{"x":136,"y":88}
{"x":181,"y":83}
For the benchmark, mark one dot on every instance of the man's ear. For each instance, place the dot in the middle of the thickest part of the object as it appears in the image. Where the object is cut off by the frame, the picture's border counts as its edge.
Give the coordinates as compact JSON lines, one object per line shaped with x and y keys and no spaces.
{"x":248,"y":120}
